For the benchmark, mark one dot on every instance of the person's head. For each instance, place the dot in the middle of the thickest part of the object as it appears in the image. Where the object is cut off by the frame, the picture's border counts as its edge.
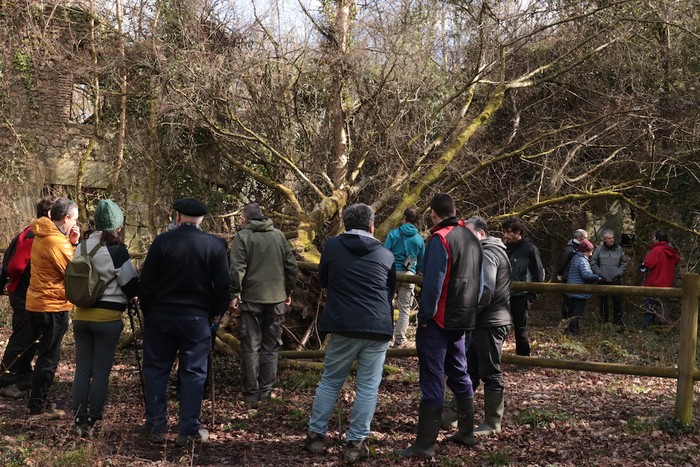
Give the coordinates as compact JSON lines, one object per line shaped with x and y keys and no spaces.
{"x":580,"y":234}
{"x":250,"y":212}
{"x":43,"y":206}
{"x":410,"y":215}
{"x":478,"y":225}
{"x":190,"y":210}
{"x":64,"y":213}
{"x":513,"y":229}
{"x":660,"y":236}
{"x":608,"y":237}
{"x":442,"y":206}
{"x":586,"y":247}
{"x":359,"y":216}
{"x":108,"y":216}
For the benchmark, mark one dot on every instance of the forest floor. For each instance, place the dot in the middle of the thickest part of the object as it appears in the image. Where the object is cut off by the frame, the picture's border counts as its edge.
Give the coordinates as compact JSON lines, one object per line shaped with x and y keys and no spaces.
{"x":552,"y":417}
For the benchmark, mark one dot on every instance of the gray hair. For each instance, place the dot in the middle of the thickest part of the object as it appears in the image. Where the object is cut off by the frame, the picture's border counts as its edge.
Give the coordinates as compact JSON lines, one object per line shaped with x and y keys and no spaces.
{"x":479,"y":223}
{"x":580,"y":234}
{"x":607,"y":232}
{"x":358,"y":216}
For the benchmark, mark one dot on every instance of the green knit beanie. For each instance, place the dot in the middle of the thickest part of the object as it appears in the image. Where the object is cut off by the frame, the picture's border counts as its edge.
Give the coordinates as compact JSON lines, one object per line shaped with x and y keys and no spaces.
{"x":108,"y":216}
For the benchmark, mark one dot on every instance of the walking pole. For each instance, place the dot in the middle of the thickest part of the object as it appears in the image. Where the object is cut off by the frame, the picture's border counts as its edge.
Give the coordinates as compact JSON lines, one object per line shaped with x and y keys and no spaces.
{"x":130,"y":311}
{"x":210,"y":372}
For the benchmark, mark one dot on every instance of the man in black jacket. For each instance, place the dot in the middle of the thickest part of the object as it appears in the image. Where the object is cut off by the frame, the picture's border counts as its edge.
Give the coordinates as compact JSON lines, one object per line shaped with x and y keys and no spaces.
{"x":183,"y":290}
{"x":526,"y":266}
{"x":447,"y":315}
{"x":360,"y":276}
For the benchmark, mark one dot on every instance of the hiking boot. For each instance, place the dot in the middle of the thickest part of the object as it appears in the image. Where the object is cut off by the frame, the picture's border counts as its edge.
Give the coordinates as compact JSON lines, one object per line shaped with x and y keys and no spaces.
{"x":154,"y":438}
{"x":315,"y":443}
{"x":81,"y":430}
{"x":11,"y":392}
{"x":355,"y":451}
{"x":50,"y":413}
{"x":202,"y":436}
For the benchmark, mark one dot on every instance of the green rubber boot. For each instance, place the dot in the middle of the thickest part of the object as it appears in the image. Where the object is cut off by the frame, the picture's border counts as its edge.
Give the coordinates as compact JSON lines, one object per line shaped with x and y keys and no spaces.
{"x":493,"y":408}
{"x":465,"y":422}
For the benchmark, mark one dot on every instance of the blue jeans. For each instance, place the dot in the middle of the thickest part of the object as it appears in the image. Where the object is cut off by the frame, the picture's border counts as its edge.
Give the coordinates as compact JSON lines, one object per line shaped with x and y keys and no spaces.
{"x":341,"y":353}
{"x":164,"y":337}
{"x":442,"y":353}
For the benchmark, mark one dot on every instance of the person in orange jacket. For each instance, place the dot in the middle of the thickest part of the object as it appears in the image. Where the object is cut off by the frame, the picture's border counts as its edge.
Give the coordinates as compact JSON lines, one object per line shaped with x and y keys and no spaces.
{"x":47,"y":306}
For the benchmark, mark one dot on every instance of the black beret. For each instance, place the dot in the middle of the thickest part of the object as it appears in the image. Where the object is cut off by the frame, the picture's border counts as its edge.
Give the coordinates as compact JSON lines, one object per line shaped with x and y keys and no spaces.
{"x":190,"y":207}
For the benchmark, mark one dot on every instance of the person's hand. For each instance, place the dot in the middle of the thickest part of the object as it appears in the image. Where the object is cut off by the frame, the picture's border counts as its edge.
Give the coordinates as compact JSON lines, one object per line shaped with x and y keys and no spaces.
{"x":288,"y":301}
{"x":560,"y":278}
{"x":74,"y":234}
{"x":234,"y":306}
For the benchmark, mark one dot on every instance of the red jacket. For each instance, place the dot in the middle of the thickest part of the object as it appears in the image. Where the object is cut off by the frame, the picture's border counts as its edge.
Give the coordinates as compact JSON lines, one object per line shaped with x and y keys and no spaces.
{"x":661,"y":263}
{"x":17,"y":266}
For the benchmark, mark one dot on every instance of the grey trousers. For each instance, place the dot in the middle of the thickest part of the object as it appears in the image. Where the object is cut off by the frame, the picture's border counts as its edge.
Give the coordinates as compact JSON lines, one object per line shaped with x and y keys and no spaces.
{"x":261,"y":338}
{"x":95,"y":344}
{"x":404,"y":296}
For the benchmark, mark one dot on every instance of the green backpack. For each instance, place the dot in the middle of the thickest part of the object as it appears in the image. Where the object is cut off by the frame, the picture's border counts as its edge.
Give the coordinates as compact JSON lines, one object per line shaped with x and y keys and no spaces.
{"x":83,"y":284}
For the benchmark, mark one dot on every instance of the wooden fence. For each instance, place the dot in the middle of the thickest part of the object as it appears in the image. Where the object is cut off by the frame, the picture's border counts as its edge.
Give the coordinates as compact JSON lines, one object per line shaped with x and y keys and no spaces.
{"x":685,"y":372}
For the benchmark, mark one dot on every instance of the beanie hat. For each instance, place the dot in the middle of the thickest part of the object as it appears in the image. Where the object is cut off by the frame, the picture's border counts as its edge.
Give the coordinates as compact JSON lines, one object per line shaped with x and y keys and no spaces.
{"x":108,"y":216}
{"x":585,"y":246}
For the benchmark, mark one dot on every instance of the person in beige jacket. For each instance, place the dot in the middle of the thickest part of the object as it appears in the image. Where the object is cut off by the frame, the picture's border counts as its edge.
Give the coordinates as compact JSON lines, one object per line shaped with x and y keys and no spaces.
{"x":56,"y":237}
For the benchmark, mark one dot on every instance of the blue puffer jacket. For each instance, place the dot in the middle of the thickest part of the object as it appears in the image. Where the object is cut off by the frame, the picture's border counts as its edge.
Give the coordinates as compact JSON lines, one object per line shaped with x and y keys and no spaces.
{"x":406,"y":241}
{"x":360,"y":277}
{"x":580,"y":272}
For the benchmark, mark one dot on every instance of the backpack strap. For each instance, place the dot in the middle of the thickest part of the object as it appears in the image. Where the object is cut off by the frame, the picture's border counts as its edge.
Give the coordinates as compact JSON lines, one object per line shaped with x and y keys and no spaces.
{"x":83,"y":252}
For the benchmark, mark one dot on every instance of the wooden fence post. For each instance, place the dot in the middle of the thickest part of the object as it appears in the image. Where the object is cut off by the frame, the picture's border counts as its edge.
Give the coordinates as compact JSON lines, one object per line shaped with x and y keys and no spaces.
{"x":687,"y":350}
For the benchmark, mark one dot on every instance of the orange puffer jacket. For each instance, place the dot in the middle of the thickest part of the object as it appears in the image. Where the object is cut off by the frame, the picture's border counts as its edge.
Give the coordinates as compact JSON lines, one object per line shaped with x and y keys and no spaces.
{"x":51,"y":252}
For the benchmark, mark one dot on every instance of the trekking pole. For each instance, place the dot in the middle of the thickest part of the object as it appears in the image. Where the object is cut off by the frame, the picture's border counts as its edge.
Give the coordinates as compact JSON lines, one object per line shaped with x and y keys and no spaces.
{"x":210,"y":372}
{"x":130,"y":311}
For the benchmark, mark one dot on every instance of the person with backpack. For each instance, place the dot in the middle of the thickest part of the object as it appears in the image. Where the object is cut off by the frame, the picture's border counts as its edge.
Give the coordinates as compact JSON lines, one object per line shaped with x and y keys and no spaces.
{"x":47,"y":305}
{"x":97,"y":327}
{"x":16,"y":365}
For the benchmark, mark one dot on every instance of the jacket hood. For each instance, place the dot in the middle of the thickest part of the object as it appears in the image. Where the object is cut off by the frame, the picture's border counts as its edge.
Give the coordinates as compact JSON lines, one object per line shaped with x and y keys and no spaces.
{"x":44,"y":227}
{"x":359,"y":243}
{"x":259,"y":225}
{"x":408,"y":230}
{"x":493,"y":241}
{"x":668,"y":250}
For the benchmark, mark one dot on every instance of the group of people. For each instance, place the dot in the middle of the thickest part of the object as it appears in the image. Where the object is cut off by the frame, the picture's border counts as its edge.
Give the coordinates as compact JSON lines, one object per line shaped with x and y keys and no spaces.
{"x":583,"y":263}
{"x":188,"y":281}
{"x":186,"y":284}
{"x":465,"y":312}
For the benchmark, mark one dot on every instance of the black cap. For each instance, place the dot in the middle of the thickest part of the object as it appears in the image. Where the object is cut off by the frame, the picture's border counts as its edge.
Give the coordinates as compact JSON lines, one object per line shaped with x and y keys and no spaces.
{"x":190,"y":207}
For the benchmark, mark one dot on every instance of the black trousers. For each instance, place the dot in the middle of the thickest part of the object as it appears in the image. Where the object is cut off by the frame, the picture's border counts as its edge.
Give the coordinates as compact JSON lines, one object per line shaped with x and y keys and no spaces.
{"x":20,"y":349}
{"x":616,"y":305}
{"x":520,"y":309}
{"x":50,"y":327}
{"x":484,"y":357}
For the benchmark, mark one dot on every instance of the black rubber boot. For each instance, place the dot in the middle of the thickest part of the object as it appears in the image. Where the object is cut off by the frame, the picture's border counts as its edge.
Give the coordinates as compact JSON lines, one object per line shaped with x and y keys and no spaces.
{"x":428,"y":429}
{"x":493,"y":408}
{"x":449,"y":415}
{"x":465,"y":422}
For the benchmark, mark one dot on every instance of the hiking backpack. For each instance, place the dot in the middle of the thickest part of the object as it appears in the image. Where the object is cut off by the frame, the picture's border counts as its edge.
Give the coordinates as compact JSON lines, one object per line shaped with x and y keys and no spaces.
{"x":83,"y":284}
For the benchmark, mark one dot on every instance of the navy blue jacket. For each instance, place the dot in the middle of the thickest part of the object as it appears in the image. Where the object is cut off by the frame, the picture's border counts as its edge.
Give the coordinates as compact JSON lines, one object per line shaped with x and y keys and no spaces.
{"x":186,"y":274}
{"x":360,"y":276}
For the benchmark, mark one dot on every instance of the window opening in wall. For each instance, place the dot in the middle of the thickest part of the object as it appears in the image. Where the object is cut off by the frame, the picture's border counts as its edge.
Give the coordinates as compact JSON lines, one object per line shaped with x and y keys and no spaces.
{"x":82,"y":104}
